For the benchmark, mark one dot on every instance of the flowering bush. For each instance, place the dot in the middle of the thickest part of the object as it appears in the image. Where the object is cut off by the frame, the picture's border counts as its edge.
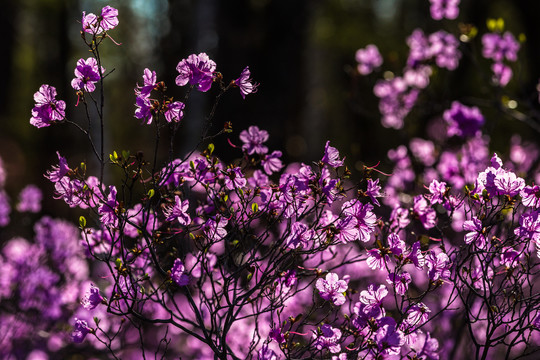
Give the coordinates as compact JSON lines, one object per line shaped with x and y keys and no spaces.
{"x":189,"y":256}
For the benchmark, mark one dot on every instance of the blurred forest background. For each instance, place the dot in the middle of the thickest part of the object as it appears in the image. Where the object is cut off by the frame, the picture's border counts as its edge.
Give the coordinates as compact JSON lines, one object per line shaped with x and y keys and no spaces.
{"x":300,"y":51}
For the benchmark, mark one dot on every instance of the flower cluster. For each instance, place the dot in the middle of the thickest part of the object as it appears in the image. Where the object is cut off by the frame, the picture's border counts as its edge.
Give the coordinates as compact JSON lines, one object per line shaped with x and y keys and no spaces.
{"x":255,"y":258}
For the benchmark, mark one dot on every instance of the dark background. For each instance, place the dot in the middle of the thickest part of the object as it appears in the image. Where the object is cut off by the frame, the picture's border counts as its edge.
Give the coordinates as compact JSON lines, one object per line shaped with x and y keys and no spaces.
{"x":300,"y":51}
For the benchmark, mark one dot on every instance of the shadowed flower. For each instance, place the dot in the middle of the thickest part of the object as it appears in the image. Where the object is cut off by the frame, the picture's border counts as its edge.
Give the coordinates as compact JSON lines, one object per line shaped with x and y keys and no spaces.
{"x":178,"y":273}
{"x":253,"y":140}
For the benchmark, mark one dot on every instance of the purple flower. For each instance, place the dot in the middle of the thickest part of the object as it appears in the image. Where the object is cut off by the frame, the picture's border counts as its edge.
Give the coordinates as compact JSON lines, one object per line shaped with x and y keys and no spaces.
{"x":388,"y":338}
{"x":377,"y":259}
{"x":30,"y":199}
{"x":86,"y":75}
{"x":400,"y":282}
{"x":366,"y":219}
{"x":69,"y":190}
{"x":425,"y":213}
{"x":265,"y":353}
{"x":508,"y":183}
{"x":529,"y":226}
{"x":440,"y":9}
{"x":246,"y":85}
{"x":196,"y":70}
{"x":437,"y":190}
{"x":509,"y":257}
{"x":397,"y":246}
{"x":423,"y":150}
{"x":5,"y":209}
{"x":347,"y":228}
{"x":368,"y":59}
{"x":417,"y":315}
{"x":272,"y":162}
{"x":178,"y":273}
{"x":476,"y":232}
{"x":418,"y":48}
{"x":300,"y":235}
{"x":429,"y":347}
{"x":80,"y":331}
{"x":416,"y":256}
{"x":95,"y":25}
{"x":372,"y":297}
{"x":502,"y":74}
{"x":438,"y":265}
{"x":178,"y":211}
{"x":107,"y":211}
{"x":144,"y":109}
{"x":373,"y":191}
{"x":331,"y":156}
{"x":331,"y":288}
{"x":277,"y":335}
{"x":234,"y":179}
{"x":499,"y":47}
{"x":58,"y":172}
{"x":328,"y":339}
{"x":47,"y":109}
{"x":92,"y":298}
{"x":444,"y":49}
{"x":463,"y":121}
{"x":149,"y":83}
{"x":215,"y":231}
{"x":174,"y":111}
{"x":253,"y":140}
{"x":530,"y":196}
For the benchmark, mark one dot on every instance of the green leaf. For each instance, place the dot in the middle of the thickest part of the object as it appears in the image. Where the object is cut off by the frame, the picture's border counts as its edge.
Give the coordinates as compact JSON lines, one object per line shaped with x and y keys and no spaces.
{"x":211,"y":148}
{"x":82,"y":222}
{"x":254,"y":207}
{"x":151,"y":193}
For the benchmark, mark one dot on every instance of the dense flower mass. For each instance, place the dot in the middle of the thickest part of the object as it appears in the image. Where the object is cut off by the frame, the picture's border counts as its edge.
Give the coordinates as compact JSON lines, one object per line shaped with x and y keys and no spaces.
{"x":195,"y":257}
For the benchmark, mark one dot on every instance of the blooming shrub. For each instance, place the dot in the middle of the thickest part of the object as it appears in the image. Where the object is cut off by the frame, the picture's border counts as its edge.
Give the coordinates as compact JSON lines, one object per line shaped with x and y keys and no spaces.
{"x":199,"y":258}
